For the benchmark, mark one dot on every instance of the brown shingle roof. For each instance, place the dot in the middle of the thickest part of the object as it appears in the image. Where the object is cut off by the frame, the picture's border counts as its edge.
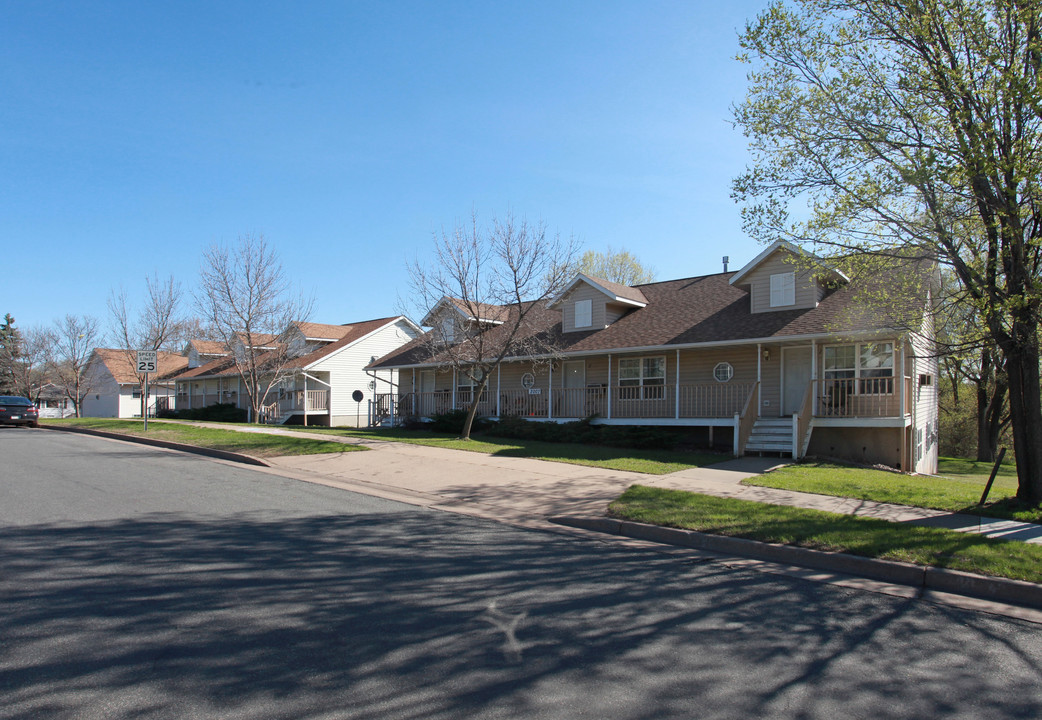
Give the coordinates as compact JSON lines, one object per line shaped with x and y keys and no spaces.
{"x":689,"y":311}
{"x":318,"y":331}
{"x":121,"y":364}
{"x":208,"y":347}
{"x":352,"y":332}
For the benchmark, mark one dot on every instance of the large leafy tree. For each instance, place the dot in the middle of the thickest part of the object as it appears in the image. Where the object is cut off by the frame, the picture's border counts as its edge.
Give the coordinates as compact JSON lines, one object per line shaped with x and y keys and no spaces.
{"x":910,"y":129}
{"x":620,"y":266}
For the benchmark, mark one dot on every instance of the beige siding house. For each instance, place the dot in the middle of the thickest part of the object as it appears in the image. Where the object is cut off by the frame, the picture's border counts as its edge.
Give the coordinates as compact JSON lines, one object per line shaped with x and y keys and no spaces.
{"x":772,"y":358}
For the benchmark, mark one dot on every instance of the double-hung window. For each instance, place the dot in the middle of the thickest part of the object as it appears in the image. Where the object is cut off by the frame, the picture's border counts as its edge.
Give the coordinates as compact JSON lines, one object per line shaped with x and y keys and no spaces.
{"x":864,"y":369}
{"x":642,"y":378}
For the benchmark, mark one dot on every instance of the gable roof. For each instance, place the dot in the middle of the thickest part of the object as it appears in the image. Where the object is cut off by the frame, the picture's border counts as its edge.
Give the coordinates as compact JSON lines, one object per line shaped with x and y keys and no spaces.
{"x":207,"y":347}
{"x":791,"y":248}
{"x":319,"y":331}
{"x":705,"y":310}
{"x":353,"y":332}
{"x":616,"y":292}
{"x":120,"y":364}
{"x":481,"y":313}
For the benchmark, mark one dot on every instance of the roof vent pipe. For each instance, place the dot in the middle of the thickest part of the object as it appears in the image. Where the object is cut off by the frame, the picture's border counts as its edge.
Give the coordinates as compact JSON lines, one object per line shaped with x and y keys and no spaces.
{"x":727,"y":259}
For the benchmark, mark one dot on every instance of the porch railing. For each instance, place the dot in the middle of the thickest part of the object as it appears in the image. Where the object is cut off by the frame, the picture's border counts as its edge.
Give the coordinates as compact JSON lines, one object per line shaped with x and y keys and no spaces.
{"x":861,"y":397}
{"x":706,"y":400}
{"x":746,"y":420}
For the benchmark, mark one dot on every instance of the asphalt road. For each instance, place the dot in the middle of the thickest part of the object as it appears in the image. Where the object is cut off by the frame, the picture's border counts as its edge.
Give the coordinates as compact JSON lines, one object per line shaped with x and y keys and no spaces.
{"x":138,"y":583}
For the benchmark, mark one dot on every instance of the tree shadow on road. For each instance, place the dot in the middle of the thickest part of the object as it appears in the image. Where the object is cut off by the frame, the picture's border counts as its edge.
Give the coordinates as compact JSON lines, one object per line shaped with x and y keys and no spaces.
{"x":427,"y":615}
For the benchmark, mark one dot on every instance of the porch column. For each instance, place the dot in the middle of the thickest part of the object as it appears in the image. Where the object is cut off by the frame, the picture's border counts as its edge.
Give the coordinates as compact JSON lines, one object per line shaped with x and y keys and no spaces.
{"x":814,"y":376}
{"x":901,"y":378}
{"x":499,"y":377}
{"x":453,"y":388}
{"x":677,"y":388}
{"x":550,"y":400}
{"x":759,"y":379}
{"x":220,"y":389}
{"x":414,"y":392}
{"x":305,"y":401}
{"x":609,"y":386}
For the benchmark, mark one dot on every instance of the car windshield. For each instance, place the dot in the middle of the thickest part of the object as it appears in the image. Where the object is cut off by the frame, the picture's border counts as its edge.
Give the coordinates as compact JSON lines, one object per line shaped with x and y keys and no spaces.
{"x":9,"y":400}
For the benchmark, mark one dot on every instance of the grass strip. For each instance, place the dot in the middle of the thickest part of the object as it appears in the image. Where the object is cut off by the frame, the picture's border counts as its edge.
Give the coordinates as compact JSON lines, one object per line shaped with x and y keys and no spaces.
{"x":248,"y":443}
{"x":957,"y":487}
{"x":819,"y":530}
{"x":651,"y":462}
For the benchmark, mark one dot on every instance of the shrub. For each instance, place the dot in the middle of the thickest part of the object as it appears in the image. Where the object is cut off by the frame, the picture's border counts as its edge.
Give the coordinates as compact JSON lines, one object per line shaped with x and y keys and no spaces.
{"x":452,"y":422}
{"x":218,"y":412}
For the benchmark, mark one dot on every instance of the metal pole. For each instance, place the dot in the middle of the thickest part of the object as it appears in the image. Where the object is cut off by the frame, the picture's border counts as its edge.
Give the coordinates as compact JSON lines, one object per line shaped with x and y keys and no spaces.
{"x":144,"y":402}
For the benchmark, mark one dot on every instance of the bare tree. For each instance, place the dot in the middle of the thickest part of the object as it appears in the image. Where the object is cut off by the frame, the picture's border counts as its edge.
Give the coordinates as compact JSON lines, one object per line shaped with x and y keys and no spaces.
{"x":247,"y":300}
{"x":157,"y":326}
{"x":30,"y":370}
{"x":483,"y":291}
{"x":75,"y":338}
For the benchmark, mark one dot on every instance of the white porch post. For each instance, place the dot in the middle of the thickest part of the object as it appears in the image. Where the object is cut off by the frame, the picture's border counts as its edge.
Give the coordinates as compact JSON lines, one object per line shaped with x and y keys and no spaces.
{"x":901,"y":378}
{"x":305,"y":401}
{"x":550,"y":400}
{"x":609,"y":386}
{"x":453,"y":388}
{"x":737,"y":425}
{"x":414,"y":392}
{"x":814,"y":376}
{"x":759,"y":378}
{"x":499,"y":377}
{"x":676,"y":400}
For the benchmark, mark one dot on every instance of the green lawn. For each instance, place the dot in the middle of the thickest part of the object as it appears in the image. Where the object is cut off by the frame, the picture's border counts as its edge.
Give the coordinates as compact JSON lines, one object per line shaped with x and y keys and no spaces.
{"x":957,"y":487}
{"x":652,"y":462}
{"x":828,"y":531}
{"x":255,"y":444}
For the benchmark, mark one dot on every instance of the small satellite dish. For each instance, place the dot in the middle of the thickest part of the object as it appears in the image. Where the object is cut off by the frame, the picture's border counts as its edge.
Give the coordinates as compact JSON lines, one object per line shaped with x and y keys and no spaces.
{"x":358,"y":396}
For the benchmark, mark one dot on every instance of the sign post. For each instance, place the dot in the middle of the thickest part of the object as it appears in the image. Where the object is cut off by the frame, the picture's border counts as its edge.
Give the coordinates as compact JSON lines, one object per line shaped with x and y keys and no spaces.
{"x":147,"y":361}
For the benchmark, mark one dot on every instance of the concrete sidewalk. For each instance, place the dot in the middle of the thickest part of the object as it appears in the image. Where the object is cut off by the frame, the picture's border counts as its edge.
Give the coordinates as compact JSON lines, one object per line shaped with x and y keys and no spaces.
{"x":526,"y":491}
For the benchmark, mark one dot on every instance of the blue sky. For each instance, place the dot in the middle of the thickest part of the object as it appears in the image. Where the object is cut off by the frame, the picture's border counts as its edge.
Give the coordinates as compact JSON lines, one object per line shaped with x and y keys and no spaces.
{"x":134,"y":135}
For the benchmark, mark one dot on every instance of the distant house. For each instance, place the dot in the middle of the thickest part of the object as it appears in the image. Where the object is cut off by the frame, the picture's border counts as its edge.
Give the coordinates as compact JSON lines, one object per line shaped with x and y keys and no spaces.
{"x":771,"y":358}
{"x":326,"y":367}
{"x":115,"y":388}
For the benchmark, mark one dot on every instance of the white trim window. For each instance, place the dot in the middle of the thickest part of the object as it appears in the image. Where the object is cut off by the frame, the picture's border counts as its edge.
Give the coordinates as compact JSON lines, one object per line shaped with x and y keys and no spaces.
{"x":723,"y":372}
{"x":642,"y":378}
{"x":783,"y":289}
{"x":583,"y":313}
{"x":867,"y":368}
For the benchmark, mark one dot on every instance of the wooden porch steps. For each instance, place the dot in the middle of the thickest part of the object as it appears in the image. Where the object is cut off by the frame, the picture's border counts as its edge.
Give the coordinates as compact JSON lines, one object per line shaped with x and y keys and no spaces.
{"x":773,"y":435}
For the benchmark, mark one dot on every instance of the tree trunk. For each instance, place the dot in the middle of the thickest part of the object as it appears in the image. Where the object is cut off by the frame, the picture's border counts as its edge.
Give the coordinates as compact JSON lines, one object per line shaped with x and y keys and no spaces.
{"x":1025,"y":404}
{"x":473,"y":410}
{"x":991,"y":396}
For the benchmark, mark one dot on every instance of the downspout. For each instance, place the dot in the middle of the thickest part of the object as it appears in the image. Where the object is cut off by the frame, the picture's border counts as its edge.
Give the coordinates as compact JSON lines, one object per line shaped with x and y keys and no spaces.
{"x":609,"y":386}
{"x":453,"y":388}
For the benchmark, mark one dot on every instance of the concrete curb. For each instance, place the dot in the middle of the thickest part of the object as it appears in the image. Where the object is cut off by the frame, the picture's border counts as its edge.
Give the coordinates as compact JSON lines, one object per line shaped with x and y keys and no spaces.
{"x":195,"y":450}
{"x":1013,"y":592}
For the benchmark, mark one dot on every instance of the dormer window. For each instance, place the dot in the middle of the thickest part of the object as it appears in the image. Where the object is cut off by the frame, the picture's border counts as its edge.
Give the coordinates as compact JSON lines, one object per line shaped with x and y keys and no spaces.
{"x":583,"y":313}
{"x":783,"y":289}
{"x":448,"y":329}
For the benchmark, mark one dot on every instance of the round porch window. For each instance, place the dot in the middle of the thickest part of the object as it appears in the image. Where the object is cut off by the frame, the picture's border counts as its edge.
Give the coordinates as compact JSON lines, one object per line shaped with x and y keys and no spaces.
{"x":723,"y":372}
{"x":528,"y":381}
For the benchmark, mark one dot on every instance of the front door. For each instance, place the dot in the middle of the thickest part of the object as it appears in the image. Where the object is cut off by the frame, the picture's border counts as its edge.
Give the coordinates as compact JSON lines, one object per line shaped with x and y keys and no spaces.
{"x":574,"y":395}
{"x":795,"y":377}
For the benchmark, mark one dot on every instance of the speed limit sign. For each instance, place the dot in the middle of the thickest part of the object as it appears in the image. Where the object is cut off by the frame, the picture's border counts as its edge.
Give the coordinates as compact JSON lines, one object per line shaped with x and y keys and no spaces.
{"x":147,"y":361}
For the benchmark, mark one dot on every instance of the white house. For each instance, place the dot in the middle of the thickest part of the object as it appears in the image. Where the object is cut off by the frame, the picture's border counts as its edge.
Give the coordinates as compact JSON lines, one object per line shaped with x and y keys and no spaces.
{"x":326,"y":367}
{"x":115,"y":388}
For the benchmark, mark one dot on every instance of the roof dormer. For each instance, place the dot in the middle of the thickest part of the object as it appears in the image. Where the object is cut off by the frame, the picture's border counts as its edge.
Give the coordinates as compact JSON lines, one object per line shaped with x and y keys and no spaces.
{"x":784,"y":277}
{"x":589,"y":303}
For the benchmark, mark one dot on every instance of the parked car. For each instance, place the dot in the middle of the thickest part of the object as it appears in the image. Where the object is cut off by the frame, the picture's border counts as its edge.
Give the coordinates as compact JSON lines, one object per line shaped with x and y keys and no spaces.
{"x":16,"y":410}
